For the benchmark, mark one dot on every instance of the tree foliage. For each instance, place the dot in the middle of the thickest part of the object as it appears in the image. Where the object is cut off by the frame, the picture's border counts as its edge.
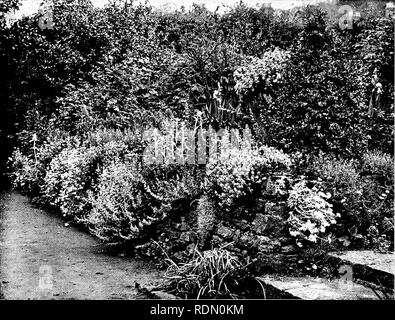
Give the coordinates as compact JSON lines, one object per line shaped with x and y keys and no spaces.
{"x":128,"y":65}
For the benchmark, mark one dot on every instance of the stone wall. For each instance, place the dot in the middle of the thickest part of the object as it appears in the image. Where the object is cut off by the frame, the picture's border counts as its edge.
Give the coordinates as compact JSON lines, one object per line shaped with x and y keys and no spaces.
{"x":262,"y":237}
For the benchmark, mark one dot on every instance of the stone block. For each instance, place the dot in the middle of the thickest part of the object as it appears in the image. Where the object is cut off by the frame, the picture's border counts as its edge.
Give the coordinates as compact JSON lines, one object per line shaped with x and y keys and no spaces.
{"x":269,"y":225}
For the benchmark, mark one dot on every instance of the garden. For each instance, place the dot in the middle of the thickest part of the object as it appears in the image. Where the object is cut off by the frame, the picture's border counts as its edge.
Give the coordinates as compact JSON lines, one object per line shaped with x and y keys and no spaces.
{"x":221,"y":146}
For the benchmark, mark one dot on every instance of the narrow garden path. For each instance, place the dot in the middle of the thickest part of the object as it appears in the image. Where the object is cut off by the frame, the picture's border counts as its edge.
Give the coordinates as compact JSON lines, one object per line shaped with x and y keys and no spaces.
{"x":40,"y":258}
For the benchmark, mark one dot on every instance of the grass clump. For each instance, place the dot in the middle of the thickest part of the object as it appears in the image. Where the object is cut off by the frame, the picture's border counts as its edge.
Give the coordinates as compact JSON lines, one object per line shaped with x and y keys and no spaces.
{"x":215,"y":273}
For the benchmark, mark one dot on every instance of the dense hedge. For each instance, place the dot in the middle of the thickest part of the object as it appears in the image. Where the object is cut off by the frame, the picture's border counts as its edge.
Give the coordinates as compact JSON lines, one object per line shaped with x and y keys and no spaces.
{"x":132,"y":66}
{"x":77,"y":98}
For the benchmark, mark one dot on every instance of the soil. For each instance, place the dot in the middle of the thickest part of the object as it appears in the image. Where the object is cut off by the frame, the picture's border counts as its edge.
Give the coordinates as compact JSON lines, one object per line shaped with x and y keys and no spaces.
{"x":41,"y":258}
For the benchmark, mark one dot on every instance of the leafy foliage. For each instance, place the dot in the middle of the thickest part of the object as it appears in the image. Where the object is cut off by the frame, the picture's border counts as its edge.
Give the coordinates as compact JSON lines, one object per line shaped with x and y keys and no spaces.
{"x":236,"y":177}
{"x":363,"y":200}
{"x":68,"y":178}
{"x":120,"y":208}
{"x":28,"y":171}
{"x":87,"y":89}
{"x":380,"y":165}
{"x":212,"y":273}
{"x":312,"y":214}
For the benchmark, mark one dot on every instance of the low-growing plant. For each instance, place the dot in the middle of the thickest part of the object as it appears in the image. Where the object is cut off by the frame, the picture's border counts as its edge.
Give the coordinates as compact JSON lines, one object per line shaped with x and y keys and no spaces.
{"x":340,"y":175}
{"x":120,"y":208}
{"x":364,"y":199}
{"x":129,"y":200}
{"x":29,"y":169}
{"x":69,"y":177}
{"x":375,"y":227}
{"x":211,"y":274}
{"x":311,"y":213}
{"x":379,"y":164}
{"x":171,"y":182}
{"x":25,"y":173}
{"x":236,"y":176}
{"x":340,"y":179}
{"x":74,"y":168}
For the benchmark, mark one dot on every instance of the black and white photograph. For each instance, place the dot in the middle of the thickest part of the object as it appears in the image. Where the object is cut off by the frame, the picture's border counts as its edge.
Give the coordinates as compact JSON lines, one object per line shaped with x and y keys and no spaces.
{"x":165,"y":151}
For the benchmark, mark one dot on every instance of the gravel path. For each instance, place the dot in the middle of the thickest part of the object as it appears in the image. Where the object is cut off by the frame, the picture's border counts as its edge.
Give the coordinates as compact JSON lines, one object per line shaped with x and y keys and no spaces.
{"x":40,"y":258}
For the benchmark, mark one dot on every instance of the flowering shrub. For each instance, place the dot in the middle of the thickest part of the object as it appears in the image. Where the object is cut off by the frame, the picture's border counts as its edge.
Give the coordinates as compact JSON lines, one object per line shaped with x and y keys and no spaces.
{"x":24,"y":172}
{"x":29,"y":169}
{"x":311,"y":215}
{"x":374,"y":227}
{"x":340,"y":176}
{"x":264,"y":71}
{"x":380,"y":165}
{"x":129,"y":199}
{"x":73,"y":169}
{"x":364,"y":202}
{"x":121,"y":208}
{"x":169,"y":183}
{"x":238,"y":174}
{"x":70,"y":175}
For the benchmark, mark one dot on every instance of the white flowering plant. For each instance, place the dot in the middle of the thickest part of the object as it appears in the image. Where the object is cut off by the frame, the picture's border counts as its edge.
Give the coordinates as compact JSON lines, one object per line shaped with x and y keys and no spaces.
{"x":311,"y":213}
{"x":69,"y":176}
{"x":124,"y":206}
{"x":24,"y":172}
{"x":30,"y":165}
{"x":265,"y":71}
{"x":118,"y":204}
{"x":238,"y":173}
